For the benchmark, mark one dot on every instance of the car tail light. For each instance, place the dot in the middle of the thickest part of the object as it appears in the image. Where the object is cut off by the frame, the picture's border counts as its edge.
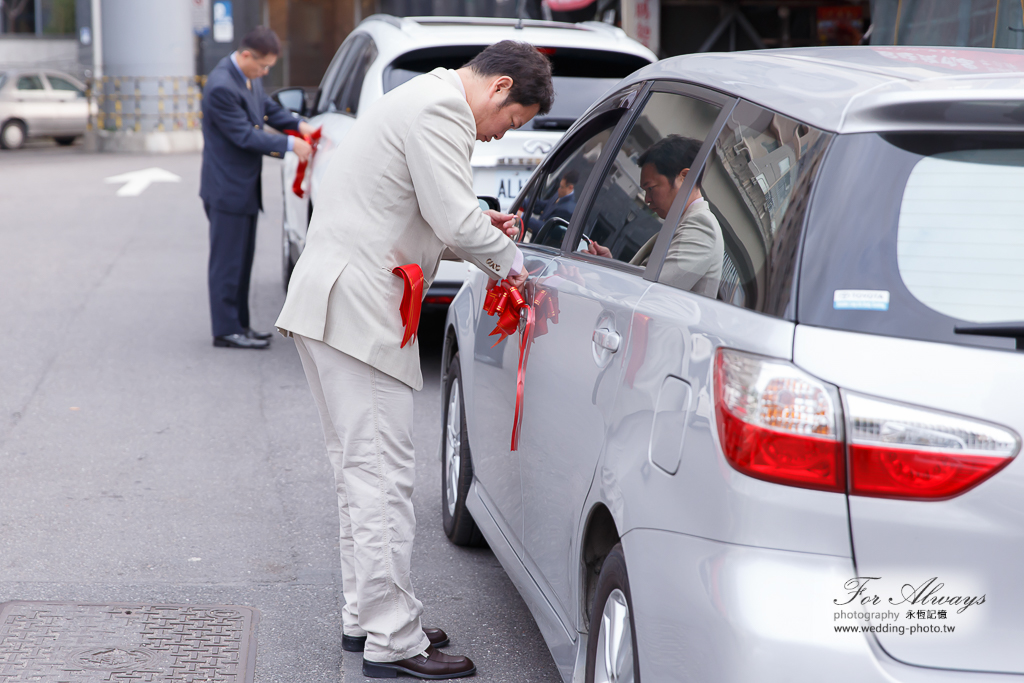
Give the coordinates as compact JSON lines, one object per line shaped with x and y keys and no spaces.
{"x":897,"y":451}
{"x":778,"y":423}
{"x":438,"y":299}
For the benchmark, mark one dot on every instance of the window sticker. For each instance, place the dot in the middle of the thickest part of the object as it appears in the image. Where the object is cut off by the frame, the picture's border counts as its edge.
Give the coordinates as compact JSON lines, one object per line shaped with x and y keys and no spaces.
{"x":861,"y":300}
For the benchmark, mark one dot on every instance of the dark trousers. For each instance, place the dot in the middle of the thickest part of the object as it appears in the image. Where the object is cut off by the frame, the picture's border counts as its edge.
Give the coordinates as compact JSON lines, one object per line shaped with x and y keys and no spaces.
{"x":232,"y":246}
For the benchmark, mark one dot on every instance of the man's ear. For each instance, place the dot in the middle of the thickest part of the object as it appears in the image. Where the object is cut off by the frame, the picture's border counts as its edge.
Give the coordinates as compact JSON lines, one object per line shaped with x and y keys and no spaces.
{"x":682,"y":176}
{"x":500,"y":84}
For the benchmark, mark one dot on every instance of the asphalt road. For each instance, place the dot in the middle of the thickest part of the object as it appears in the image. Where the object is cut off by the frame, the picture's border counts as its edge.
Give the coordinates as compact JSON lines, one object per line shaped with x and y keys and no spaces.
{"x":138,"y":463}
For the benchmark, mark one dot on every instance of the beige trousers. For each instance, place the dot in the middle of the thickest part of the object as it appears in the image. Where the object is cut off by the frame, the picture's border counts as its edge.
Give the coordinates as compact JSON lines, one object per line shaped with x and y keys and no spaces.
{"x":367,"y":416}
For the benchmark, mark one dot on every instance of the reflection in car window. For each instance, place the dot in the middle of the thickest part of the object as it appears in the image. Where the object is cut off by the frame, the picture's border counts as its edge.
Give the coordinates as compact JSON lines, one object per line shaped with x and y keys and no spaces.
{"x":960,"y":240}
{"x":58,"y":83}
{"x":560,"y":186}
{"x":756,"y":182}
{"x":631,"y":205}
{"x":346,"y":98}
{"x":30,"y":83}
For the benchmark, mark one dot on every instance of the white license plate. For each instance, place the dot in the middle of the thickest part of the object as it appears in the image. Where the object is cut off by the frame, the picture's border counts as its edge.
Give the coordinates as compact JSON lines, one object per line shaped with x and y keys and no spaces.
{"x":503,"y":184}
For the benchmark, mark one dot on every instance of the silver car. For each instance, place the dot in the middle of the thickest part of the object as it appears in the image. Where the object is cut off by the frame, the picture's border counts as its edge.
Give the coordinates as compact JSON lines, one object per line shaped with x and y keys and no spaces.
{"x":39,"y":103}
{"x":771,"y":376}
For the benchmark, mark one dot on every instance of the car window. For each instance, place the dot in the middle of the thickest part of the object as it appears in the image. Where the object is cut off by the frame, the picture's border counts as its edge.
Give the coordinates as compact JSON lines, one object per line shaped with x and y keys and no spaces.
{"x":347,"y":99}
{"x":628,"y":210}
{"x":580,"y":77}
{"x":914,"y":235}
{"x":346,"y":74}
{"x":58,"y":83}
{"x":960,"y":235}
{"x":3,"y":79}
{"x":548,"y":213}
{"x":334,"y":71}
{"x":30,"y":83}
{"x":737,"y":241}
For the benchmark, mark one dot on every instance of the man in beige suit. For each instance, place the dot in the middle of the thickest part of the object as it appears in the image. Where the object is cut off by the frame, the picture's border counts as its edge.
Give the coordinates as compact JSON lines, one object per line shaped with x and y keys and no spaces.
{"x":695,"y":254}
{"x":399,"y":191}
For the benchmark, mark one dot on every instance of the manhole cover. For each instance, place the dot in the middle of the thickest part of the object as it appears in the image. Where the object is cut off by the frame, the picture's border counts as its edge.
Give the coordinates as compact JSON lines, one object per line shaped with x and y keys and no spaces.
{"x":63,"y":642}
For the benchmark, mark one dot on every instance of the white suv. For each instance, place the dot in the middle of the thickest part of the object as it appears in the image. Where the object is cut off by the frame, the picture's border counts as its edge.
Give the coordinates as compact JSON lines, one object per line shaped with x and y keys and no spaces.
{"x":385,"y":51}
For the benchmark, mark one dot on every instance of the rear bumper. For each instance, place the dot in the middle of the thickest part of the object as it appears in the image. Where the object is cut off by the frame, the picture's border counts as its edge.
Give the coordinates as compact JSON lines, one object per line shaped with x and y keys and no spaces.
{"x":711,"y":611}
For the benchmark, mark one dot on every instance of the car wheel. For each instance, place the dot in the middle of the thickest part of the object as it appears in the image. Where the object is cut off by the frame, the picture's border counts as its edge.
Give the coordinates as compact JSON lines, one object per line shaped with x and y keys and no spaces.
{"x":611,"y":648}
{"x":12,"y":135}
{"x":287,"y":262}
{"x":456,"y":465}
{"x":65,"y":140}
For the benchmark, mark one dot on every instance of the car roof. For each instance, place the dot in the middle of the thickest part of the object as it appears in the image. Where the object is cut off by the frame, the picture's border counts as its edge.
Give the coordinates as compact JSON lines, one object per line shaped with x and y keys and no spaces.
{"x":867,"y":88}
{"x":397,"y":35}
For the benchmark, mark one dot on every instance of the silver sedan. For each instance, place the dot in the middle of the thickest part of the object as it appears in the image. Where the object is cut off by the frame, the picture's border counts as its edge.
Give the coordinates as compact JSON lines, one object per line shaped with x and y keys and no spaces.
{"x":759,"y":417}
{"x":39,"y":103}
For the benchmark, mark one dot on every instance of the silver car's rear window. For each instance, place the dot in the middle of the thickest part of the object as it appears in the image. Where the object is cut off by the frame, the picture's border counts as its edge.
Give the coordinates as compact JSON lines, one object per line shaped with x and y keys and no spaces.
{"x":580,"y":76}
{"x":3,"y":79}
{"x":915,"y":235}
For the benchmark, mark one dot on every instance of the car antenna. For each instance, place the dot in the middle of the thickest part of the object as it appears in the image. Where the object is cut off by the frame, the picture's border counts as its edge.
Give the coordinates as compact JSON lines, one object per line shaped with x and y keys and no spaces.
{"x":519,"y":13}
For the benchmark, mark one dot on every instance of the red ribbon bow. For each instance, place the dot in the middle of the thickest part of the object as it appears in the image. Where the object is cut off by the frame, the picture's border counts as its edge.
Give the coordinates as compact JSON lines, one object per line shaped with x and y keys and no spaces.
{"x":300,"y":173}
{"x":508,"y":304}
{"x":412,"y":298}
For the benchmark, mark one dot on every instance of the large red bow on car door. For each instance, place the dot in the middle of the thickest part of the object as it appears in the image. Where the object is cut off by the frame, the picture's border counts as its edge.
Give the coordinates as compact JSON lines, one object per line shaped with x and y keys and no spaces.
{"x":508,"y":304}
{"x":300,"y":173}
{"x":412,"y":298}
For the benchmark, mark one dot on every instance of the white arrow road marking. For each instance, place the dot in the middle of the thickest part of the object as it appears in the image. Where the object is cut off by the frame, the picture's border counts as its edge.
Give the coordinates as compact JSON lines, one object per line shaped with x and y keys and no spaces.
{"x":136,"y":182}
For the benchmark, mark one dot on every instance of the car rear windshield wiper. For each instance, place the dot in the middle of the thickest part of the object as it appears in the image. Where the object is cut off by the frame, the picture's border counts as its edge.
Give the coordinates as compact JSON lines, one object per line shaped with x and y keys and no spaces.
{"x":1014,"y":330}
{"x":553,"y":123}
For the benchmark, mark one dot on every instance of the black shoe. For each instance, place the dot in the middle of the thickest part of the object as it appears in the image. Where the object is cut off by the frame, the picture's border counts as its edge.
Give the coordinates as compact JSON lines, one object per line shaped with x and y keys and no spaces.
{"x":253,"y":334}
{"x":435,"y":665}
{"x":240,"y":341}
{"x":436,"y":636}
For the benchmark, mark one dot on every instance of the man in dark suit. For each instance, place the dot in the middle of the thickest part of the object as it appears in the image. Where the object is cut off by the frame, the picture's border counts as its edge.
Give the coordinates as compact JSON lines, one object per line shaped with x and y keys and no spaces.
{"x":235,"y":107}
{"x":559,"y":206}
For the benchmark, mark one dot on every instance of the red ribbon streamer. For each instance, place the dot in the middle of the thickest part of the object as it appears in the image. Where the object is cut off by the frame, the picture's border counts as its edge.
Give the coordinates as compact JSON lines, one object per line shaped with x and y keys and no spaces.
{"x":300,"y":173}
{"x":412,"y":298}
{"x":508,"y":304}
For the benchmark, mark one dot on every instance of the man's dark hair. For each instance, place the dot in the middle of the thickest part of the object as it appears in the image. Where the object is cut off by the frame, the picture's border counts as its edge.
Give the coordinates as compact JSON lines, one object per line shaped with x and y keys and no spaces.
{"x":572,"y":177}
{"x":529,"y":70}
{"x":670,"y":155}
{"x":262,"y":41}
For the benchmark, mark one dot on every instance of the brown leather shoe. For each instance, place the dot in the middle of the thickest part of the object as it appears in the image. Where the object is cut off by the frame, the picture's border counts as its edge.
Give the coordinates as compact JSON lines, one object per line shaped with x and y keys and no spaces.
{"x":434,"y":666}
{"x":436,"y":636}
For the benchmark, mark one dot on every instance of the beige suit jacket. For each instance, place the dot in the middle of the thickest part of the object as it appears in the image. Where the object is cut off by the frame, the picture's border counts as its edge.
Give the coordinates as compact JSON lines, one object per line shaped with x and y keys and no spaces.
{"x":398,"y":190}
{"x":695,"y":254}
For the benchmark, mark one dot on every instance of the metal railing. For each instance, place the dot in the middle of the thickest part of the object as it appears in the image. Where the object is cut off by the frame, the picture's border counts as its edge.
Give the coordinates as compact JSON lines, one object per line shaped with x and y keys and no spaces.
{"x":145,"y":104}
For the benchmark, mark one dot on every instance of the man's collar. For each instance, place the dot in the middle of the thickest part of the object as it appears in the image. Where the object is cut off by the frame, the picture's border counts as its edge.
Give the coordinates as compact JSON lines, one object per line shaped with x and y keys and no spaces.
{"x":238,"y":69}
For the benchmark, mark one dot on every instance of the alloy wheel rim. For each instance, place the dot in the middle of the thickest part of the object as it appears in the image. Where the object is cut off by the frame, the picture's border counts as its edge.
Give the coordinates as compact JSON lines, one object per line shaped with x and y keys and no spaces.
{"x":13,"y":137}
{"x":452,"y":447}
{"x":614,"y":661}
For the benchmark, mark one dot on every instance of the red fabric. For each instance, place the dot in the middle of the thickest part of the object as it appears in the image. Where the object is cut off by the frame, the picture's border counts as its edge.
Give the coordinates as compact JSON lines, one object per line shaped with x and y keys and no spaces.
{"x":412,"y":298}
{"x":300,"y":173}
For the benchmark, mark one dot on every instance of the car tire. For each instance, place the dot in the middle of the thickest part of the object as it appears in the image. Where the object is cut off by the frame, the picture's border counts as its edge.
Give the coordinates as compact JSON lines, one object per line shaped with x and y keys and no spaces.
{"x":12,"y":135}
{"x":287,"y":262}
{"x":65,"y":140}
{"x":611,"y":647}
{"x":456,"y":464}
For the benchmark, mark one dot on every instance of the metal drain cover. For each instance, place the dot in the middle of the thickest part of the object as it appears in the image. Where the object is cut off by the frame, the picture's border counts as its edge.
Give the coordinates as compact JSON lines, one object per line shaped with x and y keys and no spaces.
{"x":65,"y":642}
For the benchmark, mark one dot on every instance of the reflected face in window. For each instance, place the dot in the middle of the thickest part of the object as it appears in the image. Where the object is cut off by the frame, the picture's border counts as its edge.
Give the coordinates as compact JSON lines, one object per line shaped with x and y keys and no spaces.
{"x":659,"y":190}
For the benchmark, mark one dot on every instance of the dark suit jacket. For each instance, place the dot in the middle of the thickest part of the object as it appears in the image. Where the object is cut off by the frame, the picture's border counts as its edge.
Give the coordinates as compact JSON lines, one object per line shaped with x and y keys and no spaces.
{"x":560,"y":207}
{"x":234,"y":141}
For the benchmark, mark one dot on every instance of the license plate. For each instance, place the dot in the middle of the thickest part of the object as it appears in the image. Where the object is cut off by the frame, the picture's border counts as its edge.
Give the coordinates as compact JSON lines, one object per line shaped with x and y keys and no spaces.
{"x":504,"y":184}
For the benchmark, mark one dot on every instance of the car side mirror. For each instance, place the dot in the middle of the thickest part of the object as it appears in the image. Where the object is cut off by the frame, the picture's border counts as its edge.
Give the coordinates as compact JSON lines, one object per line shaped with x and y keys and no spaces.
{"x":292,"y":99}
{"x":489,"y":203}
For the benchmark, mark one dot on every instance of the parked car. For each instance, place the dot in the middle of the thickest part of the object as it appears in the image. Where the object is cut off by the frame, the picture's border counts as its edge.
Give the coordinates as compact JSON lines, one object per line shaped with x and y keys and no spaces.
{"x":739,"y":486}
{"x":385,"y":51}
{"x":40,"y":103}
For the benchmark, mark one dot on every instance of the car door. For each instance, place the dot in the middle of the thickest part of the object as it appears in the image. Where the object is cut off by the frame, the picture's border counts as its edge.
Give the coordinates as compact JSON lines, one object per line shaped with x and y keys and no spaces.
{"x":34,"y":106}
{"x":575,"y":369}
{"x":71,"y":112}
{"x":496,"y":362}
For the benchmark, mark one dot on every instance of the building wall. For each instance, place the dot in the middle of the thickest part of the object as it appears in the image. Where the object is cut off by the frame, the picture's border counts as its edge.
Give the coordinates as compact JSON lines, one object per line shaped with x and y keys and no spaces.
{"x":30,"y":51}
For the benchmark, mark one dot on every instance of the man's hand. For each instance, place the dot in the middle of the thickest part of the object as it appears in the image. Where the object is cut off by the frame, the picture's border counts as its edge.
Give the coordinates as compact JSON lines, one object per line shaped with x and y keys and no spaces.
{"x":597,"y":250}
{"x":302,"y":148}
{"x":519,"y":280}
{"x":505,"y":222}
{"x":305,"y":128}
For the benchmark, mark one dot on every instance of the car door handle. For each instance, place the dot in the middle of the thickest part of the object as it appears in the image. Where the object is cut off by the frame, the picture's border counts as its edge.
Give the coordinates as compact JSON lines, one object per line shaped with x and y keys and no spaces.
{"x":607,"y":339}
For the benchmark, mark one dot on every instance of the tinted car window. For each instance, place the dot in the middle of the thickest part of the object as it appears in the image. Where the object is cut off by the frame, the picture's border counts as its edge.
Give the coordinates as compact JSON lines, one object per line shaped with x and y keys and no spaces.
{"x":3,"y":79}
{"x":30,"y":83}
{"x":580,"y":76}
{"x":756,"y":183}
{"x":334,"y":73}
{"x":624,"y":219}
{"x":912,"y":235}
{"x":347,"y":98}
{"x":58,"y":83}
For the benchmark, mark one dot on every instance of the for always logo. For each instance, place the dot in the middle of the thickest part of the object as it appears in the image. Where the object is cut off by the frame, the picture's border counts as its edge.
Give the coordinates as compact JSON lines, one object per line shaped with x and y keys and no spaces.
{"x":537,"y":146}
